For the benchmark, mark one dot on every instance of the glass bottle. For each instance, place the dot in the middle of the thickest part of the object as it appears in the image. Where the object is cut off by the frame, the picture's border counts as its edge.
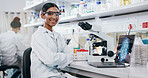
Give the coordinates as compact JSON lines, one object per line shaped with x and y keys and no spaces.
{"x":125,"y":2}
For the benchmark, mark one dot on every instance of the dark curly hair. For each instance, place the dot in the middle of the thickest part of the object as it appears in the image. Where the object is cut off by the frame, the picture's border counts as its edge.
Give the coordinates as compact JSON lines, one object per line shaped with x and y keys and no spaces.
{"x":49,"y":5}
{"x":15,"y":22}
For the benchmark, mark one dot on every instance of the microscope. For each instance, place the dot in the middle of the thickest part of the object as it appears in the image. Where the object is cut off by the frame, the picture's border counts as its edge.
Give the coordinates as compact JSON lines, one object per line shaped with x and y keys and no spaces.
{"x":99,"y":51}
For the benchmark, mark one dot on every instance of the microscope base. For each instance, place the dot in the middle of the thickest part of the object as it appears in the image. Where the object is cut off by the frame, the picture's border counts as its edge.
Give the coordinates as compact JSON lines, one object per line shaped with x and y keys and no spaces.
{"x":100,"y":59}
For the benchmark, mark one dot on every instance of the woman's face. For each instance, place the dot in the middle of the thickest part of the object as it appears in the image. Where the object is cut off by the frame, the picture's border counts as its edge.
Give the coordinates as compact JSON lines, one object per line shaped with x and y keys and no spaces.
{"x":16,"y":30}
{"x":51,"y":17}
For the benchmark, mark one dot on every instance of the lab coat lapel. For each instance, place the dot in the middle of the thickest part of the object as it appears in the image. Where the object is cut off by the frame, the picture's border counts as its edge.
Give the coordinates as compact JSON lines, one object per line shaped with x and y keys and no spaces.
{"x":55,"y":35}
{"x":50,"y":38}
{"x":48,"y":32}
{"x":55,"y":39}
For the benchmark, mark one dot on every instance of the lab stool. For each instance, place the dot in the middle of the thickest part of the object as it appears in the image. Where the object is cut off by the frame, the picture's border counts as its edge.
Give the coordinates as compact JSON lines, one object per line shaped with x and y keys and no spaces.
{"x":3,"y":68}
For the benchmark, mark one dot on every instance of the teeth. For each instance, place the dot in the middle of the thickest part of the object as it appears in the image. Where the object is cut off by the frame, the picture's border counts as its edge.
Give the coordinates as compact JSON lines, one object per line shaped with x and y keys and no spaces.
{"x":53,"y":21}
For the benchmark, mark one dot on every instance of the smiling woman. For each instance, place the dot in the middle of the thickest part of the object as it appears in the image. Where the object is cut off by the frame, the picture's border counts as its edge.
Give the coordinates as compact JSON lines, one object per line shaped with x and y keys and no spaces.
{"x":51,"y":15}
{"x":49,"y":50}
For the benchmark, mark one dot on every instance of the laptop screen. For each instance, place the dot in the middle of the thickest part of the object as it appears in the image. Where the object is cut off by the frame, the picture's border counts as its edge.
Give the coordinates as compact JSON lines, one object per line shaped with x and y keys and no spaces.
{"x":125,"y":45}
{"x":145,"y":41}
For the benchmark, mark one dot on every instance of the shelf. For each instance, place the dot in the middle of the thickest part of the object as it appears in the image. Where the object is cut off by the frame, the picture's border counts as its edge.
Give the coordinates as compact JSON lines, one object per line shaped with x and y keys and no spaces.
{"x":38,"y":5}
{"x":34,"y":24}
{"x":68,"y":18}
{"x":73,"y":18}
{"x":70,"y":1}
{"x":62,"y":20}
{"x":132,"y":8}
{"x":34,"y":6}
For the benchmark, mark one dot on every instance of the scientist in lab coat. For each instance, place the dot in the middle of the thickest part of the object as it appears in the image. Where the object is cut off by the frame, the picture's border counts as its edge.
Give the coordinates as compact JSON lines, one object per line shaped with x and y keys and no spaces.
{"x":11,"y":48}
{"x":49,"y":50}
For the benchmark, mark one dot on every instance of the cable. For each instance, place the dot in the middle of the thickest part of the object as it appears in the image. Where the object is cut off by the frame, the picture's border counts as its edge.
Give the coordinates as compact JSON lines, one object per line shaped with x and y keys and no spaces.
{"x":74,"y":38}
{"x":76,"y":41}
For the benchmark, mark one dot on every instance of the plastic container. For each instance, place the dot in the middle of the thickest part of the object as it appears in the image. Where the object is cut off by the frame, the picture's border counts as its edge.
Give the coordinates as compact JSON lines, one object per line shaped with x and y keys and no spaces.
{"x":92,"y":5}
{"x":103,"y":5}
{"x":139,"y":55}
{"x":63,"y":11}
{"x":87,"y":44}
{"x":81,"y":7}
{"x":88,"y":2}
{"x":116,"y":3}
{"x":98,"y":5}
{"x":125,"y":2}
{"x":81,"y":54}
{"x":85,"y":9}
{"x":109,"y":4}
{"x":135,"y":1}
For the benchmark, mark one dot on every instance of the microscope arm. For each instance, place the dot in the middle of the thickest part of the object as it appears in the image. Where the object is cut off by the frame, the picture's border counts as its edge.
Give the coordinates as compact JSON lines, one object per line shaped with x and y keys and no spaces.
{"x":103,"y":36}
{"x":96,"y":30}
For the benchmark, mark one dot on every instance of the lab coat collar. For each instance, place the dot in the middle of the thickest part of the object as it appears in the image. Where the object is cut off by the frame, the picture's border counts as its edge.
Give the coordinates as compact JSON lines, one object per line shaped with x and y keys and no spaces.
{"x":11,"y":31}
{"x":52,"y":34}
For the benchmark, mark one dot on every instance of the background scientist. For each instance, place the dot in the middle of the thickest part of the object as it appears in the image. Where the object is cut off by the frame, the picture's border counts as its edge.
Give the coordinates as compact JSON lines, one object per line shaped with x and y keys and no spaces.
{"x":11,"y":47}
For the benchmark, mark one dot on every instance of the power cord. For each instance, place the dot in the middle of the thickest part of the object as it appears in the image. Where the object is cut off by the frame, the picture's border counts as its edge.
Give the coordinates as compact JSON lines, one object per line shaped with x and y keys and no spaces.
{"x":74,"y":38}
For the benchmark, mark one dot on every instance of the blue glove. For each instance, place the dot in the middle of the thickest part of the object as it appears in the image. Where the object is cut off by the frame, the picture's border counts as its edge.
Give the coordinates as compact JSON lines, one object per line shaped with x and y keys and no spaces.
{"x":55,"y":66}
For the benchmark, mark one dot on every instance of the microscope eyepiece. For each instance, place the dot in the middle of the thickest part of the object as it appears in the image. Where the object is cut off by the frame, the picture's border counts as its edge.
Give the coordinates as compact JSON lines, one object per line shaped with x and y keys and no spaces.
{"x":81,"y":24}
{"x":85,"y":26}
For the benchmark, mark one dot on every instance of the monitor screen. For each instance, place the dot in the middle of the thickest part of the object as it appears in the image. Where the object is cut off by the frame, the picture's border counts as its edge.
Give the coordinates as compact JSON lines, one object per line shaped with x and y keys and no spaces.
{"x":125,"y":45}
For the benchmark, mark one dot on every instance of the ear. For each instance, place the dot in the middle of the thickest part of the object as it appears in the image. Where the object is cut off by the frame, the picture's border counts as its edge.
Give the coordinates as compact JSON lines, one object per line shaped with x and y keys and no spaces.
{"x":42,"y":15}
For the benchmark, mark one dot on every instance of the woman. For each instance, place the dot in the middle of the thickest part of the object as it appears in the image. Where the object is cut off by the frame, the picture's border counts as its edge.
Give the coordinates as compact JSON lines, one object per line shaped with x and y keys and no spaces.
{"x":11,"y":48}
{"x":49,"y":50}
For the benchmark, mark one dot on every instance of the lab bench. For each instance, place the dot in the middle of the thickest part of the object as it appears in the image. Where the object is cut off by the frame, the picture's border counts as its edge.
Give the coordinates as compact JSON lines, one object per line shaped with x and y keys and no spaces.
{"x":82,"y":68}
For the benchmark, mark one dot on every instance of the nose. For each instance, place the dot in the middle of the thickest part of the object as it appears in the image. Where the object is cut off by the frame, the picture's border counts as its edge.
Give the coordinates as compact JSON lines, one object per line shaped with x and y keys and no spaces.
{"x":54,"y":15}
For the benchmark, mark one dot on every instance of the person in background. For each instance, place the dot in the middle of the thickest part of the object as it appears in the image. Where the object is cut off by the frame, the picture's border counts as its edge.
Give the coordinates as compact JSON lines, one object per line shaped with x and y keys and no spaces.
{"x":11,"y":47}
{"x":49,"y":50}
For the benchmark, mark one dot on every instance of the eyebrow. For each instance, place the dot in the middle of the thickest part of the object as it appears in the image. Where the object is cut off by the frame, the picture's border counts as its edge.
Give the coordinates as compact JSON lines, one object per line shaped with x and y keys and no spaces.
{"x":52,"y":11}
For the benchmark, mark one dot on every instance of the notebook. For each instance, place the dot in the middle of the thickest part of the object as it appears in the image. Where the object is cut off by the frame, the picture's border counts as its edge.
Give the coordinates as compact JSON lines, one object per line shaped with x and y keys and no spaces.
{"x":124,"y":48}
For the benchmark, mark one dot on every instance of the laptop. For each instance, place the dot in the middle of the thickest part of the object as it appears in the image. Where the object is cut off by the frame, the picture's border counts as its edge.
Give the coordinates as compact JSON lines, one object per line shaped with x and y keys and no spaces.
{"x":124,"y":48}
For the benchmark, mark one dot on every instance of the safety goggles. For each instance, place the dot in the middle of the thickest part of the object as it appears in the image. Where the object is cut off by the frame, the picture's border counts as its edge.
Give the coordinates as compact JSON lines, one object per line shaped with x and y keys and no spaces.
{"x":52,"y":13}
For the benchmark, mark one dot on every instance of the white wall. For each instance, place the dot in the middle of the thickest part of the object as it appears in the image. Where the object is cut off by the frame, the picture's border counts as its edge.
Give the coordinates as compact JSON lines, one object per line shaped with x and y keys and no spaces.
{"x":121,"y":23}
{"x":12,"y":5}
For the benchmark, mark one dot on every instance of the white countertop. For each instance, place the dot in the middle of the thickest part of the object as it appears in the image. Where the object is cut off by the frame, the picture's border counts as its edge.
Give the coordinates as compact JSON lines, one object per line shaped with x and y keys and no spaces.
{"x":127,"y":72}
{"x":138,"y":71}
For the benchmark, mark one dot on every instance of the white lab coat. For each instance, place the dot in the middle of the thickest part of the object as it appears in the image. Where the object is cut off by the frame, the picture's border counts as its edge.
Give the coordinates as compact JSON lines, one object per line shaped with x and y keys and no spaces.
{"x":48,"y":50}
{"x":10,"y":48}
